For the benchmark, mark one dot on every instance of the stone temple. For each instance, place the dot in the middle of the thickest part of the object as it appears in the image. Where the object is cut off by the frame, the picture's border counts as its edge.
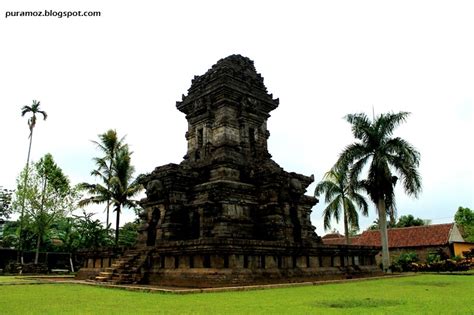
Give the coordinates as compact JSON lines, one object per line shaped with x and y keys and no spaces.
{"x":228,"y":214}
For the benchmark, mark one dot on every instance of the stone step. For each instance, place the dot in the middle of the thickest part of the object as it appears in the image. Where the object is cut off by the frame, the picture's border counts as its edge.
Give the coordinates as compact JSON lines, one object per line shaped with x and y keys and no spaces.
{"x":101,"y":279}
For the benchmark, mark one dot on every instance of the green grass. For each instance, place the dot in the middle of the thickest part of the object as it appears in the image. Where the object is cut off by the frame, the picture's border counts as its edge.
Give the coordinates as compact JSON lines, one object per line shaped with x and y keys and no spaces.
{"x":424,"y":294}
{"x":15,"y":280}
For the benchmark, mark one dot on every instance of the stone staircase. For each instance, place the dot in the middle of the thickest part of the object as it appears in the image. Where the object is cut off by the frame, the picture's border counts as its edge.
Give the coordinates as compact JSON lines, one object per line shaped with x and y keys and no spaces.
{"x":127,"y":269}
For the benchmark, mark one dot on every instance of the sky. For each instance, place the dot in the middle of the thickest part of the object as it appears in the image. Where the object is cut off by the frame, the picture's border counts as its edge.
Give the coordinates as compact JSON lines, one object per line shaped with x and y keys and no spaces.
{"x":126,"y":69}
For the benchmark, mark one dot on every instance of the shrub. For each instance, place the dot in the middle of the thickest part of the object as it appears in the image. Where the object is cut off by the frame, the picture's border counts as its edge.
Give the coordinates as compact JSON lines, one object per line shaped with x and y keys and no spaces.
{"x":405,"y":261}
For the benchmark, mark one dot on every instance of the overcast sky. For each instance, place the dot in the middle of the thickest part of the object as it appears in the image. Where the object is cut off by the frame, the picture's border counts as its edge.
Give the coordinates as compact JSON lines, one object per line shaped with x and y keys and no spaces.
{"x":127,"y":68}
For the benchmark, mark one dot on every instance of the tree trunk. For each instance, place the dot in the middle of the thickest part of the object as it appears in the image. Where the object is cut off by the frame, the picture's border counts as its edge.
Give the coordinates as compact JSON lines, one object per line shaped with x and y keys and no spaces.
{"x":384,"y":235}
{"x":22,"y":213}
{"x":41,"y":221}
{"x":117,"y":226}
{"x":38,"y":243}
{"x":346,"y":226}
{"x":107,"y":210}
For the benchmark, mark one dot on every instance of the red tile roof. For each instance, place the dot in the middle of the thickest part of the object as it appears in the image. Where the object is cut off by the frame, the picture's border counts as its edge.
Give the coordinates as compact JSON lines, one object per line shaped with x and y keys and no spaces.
{"x":339,"y":240}
{"x":428,"y":235}
{"x":333,"y":235}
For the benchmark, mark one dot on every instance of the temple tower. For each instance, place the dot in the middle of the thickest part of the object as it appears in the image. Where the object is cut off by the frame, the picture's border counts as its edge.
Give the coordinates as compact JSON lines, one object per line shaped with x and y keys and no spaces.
{"x":228,"y":214}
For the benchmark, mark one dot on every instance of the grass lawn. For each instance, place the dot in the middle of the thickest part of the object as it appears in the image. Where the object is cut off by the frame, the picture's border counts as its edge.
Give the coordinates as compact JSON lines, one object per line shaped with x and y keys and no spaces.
{"x":4,"y":280}
{"x":424,"y":294}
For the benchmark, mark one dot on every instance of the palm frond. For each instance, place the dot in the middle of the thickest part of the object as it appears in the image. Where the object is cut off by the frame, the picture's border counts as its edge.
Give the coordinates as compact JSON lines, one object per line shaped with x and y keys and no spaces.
{"x":386,"y":123}
{"x":332,"y":210}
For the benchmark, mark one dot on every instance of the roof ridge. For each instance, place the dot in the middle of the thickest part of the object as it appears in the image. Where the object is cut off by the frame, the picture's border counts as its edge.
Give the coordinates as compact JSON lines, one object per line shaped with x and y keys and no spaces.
{"x":411,"y":227}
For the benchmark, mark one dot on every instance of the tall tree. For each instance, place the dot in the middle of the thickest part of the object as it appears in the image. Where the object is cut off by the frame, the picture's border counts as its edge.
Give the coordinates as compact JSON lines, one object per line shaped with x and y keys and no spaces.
{"x":46,"y":196}
{"x":109,"y":144}
{"x":119,"y":186}
{"x":384,"y":155}
{"x":340,"y":195}
{"x":124,"y":186}
{"x":34,"y":110}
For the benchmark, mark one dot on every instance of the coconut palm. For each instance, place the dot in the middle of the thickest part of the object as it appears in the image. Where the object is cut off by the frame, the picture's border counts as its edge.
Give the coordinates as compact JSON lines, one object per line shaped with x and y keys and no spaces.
{"x":124,"y":187}
{"x":341,"y":197}
{"x":34,"y":109}
{"x":109,"y":144}
{"x":384,"y":155}
{"x":120,"y":187}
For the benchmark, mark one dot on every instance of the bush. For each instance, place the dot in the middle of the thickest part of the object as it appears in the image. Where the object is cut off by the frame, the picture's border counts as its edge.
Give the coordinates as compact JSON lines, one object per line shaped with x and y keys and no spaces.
{"x":405,"y":261}
{"x":436,"y":264}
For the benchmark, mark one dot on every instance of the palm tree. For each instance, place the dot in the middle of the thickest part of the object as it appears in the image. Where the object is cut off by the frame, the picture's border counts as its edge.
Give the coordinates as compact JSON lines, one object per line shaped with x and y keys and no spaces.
{"x":109,"y":144}
{"x":119,"y":189}
{"x":340,"y":195}
{"x":34,"y":109}
{"x":124,"y":187}
{"x":384,"y":155}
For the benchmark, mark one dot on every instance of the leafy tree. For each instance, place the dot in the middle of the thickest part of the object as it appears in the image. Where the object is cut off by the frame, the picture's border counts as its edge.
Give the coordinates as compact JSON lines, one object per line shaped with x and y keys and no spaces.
{"x":464,"y":218}
{"x":5,"y":202}
{"x":46,"y":197}
{"x":409,"y":220}
{"x":128,"y":234}
{"x":119,"y":187}
{"x":341,"y":197}
{"x":91,"y":233}
{"x":383,"y":155}
{"x":34,"y":109}
{"x":64,"y":232}
{"x":9,"y":236}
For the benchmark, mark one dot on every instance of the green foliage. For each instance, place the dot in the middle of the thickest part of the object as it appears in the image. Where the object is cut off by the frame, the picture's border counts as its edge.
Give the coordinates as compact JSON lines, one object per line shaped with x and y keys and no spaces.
{"x":128,"y":234}
{"x":11,"y":232}
{"x":34,"y":109}
{"x":5,"y":202}
{"x":422,"y":294}
{"x":116,"y":174}
{"x":409,"y":220}
{"x":464,"y":218}
{"x":436,"y":256}
{"x":342,"y":198}
{"x":403,"y":221}
{"x":404,"y":261}
{"x":45,"y":197}
{"x":91,"y":234}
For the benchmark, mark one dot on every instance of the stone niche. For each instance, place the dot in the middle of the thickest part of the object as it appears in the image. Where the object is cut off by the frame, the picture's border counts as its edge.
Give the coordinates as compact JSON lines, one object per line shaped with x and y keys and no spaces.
{"x":228,"y":214}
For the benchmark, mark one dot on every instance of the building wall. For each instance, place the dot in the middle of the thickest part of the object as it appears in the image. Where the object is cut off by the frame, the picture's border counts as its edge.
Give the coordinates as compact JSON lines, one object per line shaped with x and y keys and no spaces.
{"x":462,"y":247}
{"x":455,"y":235}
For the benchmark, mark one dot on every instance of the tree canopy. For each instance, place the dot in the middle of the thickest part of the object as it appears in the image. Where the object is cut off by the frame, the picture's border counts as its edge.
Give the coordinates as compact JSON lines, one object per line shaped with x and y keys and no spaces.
{"x":464,"y":217}
{"x":117,"y":186}
{"x":342,"y":198}
{"x":46,"y":196}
